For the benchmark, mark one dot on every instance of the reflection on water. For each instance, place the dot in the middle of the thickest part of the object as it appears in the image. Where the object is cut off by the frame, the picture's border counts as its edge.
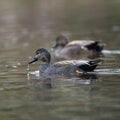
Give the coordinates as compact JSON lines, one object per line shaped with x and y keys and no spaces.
{"x":81,"y":79}
{"x":108,"y":71}
{"x":28,"y":25}
{"x":111,"y":51}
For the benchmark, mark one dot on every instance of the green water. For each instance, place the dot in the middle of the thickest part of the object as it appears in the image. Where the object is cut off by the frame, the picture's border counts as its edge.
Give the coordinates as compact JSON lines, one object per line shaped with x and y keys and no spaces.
{"x":28,"y":25}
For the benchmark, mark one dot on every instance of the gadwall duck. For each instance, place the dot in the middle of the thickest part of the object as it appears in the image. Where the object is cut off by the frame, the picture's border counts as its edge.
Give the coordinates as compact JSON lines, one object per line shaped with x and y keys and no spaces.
{"x":76,"y":49}
{"x":67,"y":67}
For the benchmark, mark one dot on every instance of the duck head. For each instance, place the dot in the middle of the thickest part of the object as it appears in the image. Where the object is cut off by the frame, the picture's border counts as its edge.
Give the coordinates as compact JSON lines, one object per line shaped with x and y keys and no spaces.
{"x":61,"y":41}
{"x":42,"y":55}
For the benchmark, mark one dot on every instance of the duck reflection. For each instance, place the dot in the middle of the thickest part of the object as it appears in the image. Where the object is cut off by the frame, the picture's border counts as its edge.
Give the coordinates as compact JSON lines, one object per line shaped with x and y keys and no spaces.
{"x":53,"y":82}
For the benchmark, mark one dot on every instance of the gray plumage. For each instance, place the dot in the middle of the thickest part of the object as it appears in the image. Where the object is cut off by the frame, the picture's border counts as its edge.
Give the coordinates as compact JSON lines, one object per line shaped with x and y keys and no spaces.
{"x":63,"y":67}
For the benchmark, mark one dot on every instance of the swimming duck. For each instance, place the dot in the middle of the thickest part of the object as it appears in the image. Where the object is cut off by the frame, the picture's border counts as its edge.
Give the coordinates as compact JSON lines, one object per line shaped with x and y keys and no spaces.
{"x":67,"y":67}
{"x":76,"y":49}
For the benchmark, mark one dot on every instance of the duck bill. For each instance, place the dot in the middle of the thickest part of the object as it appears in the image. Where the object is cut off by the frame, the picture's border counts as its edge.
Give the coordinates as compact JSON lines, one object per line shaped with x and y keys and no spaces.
{"x":33,"y":60}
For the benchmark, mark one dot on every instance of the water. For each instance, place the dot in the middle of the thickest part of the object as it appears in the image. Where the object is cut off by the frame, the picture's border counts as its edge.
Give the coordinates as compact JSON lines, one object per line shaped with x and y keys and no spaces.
{"x":28,"y":25}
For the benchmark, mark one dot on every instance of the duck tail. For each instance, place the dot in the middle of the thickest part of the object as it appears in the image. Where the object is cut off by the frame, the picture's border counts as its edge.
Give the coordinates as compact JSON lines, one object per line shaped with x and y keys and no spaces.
{"x":96,"y":46}
{"x":91,"y":65}
{"x":95,"y":62}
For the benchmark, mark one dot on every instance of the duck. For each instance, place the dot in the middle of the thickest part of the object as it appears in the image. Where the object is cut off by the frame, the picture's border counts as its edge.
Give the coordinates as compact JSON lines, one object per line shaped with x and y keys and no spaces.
{"x":66,"y":67}
{"x":76,"y":49}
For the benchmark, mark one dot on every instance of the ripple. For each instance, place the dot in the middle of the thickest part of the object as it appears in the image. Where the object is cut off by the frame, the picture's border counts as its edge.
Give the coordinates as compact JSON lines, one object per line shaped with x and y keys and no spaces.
{"x":97,"y":71}
{"x":111,"y":51}
{"x":36,"y":73}
{"x":108,"y":71}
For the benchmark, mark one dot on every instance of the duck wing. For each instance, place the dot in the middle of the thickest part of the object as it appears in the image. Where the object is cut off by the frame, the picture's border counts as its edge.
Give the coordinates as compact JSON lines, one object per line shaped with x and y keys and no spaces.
{"x":80,"y":42}
{"x":96,"y":46}
{"x":89,"y":66}
{"x":83,"y":65}
{"x":65,"y":63}
{"x":89,"y":44}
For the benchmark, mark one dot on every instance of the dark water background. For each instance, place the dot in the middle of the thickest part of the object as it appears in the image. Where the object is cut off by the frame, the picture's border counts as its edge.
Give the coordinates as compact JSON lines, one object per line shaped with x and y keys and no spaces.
{"x":26,"y":25}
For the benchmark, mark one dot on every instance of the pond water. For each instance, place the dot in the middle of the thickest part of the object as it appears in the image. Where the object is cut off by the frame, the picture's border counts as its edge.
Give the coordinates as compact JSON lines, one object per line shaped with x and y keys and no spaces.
{"x":28,"y":25}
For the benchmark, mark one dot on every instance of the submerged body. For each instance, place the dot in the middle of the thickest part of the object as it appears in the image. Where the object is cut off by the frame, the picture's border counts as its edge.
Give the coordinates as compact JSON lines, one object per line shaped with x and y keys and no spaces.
{"x":68,"y":67}
{"x":77,"y":49}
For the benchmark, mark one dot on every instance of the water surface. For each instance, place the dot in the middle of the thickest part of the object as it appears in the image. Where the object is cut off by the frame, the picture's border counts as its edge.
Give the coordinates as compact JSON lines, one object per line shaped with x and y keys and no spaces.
{"x":28,"y":25}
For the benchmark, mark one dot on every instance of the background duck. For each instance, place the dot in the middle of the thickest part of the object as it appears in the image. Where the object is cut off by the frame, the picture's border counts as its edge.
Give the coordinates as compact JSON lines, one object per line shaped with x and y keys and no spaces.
{"x":76,"y":49}
{"x":68,"y":67}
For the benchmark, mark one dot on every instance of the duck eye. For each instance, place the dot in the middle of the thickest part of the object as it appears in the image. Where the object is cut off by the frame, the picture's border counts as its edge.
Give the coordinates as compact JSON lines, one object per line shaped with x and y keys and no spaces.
{"x":37,"y":52}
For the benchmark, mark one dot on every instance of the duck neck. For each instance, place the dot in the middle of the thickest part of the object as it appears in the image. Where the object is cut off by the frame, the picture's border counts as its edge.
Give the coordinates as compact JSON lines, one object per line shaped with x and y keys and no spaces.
{"x":46,"y":58}
{"x":44,"y":66}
